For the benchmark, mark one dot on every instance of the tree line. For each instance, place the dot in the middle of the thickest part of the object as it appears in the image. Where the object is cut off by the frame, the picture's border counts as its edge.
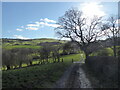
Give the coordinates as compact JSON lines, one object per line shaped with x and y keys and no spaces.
{"x":14,"y":58}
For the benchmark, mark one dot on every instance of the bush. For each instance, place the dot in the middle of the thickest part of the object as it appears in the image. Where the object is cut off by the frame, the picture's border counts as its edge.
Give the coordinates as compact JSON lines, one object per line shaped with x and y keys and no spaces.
{"x":7,"y":58}
{"x":105,"y":68}
{"x":118,"y":51}
{"x":16,"y":57}
{"x":103,"y":52}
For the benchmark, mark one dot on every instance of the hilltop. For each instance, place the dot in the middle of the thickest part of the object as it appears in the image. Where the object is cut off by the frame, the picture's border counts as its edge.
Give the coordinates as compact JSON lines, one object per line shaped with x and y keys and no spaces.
{"x":30,"y":43}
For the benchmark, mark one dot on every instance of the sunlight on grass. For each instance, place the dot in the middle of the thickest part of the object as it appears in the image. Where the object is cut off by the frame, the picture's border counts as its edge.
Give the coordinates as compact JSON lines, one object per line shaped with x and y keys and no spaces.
{"x":37,"y":76}
{"x":22,"y":46}
{"x":66,"y":59}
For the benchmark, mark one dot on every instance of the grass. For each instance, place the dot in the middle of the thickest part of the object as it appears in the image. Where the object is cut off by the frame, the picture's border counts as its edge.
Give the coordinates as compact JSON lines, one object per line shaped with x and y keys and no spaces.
{"x":32,"y":42}
{"x":34,"y":77}
{"x":105,"y":52}
{"x":22,"y":46}
{"x":39,"y":76}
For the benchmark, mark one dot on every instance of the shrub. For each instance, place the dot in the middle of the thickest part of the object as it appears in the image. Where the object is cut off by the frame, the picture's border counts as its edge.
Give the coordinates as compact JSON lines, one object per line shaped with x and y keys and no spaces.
{"x":118,"y":51}
{"x":16,"y":57}
{"x":7,"y":58}
{"x":103,"y":52}
{"x":105,"y":68}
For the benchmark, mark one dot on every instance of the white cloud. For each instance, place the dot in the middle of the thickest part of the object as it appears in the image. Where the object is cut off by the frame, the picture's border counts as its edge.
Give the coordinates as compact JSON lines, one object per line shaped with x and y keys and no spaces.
{"x":37,"y":22}
{"x":20,"y":37}
{"x":22,"y":26}
{"x":40,"y":24}
{"x":47,"y":20}
{"x":43,"y":24}
{"x":19,"y":29}
{"x":33,"y":25}
{"x":52,"y":25}
{"x":32,"y":28}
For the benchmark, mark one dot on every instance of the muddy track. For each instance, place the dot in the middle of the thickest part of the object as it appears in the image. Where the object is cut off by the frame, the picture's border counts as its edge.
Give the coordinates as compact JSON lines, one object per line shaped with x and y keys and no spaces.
{"x":73,"y":81}
{"x":74,"y":77}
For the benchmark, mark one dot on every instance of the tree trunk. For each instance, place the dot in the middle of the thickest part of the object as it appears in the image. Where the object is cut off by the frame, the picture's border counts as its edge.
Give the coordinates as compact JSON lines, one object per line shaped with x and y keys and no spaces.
{"x":15,"y":66}
{"x":30,"y":62}
{"x":86,"y":56}
{"x":114,"y":50}
{"x":62,"y":59}
{"x":20,"y":65}
{"x":86,"y":53}
{"x":114,"y":47}
{"x":114,"y":44}
{"x":86,"y":59}
{"x":39,"y":62}
{"x":55,"y":60}
{"x":84,"y":48}
{"x":58,"y":58}
{"x":8,"y":67}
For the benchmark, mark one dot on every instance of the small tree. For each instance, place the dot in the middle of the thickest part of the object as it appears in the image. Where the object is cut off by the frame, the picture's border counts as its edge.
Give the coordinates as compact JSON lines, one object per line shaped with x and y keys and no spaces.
{"x":81,"y":30}
{"x":56,"y":53}
{"x":45,"y":52}
{"x":112,"y":32}
{"x":70,"y":48}
{"x":30,"y":59}
{"x":22,"y":55}
{"x":7,"y":58}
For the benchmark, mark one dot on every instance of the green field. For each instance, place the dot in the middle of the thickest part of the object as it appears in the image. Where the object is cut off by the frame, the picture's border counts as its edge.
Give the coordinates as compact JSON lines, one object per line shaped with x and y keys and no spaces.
{"x":39,"y":76}
{"x":10,"y":44}
{"x":105,"y":52}
{"x":22,"y":46}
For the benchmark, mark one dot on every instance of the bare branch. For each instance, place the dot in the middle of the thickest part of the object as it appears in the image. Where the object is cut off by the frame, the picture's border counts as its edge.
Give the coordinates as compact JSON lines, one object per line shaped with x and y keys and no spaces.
{"x":76,"y":27}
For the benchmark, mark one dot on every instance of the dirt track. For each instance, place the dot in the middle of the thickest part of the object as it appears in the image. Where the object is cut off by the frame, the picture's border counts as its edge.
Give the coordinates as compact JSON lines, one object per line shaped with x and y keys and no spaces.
{"x":74,"y":77}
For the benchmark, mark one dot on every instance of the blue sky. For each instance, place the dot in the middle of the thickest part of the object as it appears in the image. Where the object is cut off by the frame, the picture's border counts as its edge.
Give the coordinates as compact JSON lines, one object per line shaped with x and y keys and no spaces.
{"x":38,"y":19}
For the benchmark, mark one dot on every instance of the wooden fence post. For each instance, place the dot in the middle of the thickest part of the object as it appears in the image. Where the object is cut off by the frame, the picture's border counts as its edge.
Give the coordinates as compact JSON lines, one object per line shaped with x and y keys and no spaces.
{"x":62,"y":59}
{"x":72,"y":60}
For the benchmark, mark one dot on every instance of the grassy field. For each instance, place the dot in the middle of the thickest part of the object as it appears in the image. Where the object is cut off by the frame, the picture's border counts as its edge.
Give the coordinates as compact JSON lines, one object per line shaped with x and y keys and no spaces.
{"x":39,"y":76}
{"x":10,"y":44}
{"x":105,"y":52}
{"x":22,"y":46}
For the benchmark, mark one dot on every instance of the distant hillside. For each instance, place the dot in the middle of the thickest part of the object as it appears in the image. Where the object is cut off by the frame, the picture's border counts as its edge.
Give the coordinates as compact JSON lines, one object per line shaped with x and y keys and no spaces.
{"x":30,"y":43}
{"x":37,"y":43}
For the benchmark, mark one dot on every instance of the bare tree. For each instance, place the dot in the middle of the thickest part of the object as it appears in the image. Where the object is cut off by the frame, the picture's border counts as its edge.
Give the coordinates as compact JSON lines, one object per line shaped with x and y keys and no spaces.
{"x":70,"y":48}
{"x":22,"y":56}
{"x":83,"y":31}
{"x":55,"y":53}
{"x":7,"y":58}
{"x":45,"y":53}
{"x":112,"y":30}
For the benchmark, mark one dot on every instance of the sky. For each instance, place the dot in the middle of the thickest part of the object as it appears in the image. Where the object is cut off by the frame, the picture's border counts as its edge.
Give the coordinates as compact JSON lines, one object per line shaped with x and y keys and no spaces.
{"x":26,"y":20}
